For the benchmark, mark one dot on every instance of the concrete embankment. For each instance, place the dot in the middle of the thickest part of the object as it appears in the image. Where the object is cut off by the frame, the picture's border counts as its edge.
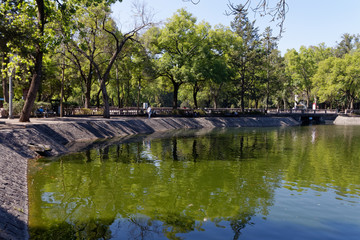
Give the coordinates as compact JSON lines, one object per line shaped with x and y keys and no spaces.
{"x":347,"y":120}
{"x":16,"y":139}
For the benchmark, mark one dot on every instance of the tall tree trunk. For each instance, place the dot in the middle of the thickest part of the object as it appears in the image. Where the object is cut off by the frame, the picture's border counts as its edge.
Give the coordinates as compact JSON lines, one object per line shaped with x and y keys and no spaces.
{"x":88,"y":84}
{"x":39,"y":93}
{"x":34,"y":86}
{"x":88,"y":94}
{"x":215,"y":101}
{"x":127,"y":97}
{"x":138,"y":100}
{"x":36,"y":79}
{"x":307,"y":98}
{"x":4,"y":80}
{"x":195,"y":92}
{"x":118,"y":87}
{"x":176,"y":87}
{"x":284,"y":100}
{"x":98,"y":99}
{"x":242,"y":93}
{"x":267,"y":88}
{"x":62,"y":89}
{"x":105,"y":99}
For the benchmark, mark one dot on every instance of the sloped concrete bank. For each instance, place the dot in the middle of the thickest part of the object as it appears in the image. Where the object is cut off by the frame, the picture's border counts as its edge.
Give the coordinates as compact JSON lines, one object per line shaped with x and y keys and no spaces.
{"x":346,"y":120}
{"x":15,"y":139}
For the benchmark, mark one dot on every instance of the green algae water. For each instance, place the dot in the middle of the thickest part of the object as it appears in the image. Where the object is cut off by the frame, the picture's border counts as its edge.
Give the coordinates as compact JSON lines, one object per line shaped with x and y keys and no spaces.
{"x":254,"y":183}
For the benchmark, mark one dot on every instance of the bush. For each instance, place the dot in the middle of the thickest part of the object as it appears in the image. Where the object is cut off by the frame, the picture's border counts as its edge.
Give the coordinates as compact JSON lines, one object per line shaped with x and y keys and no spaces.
{"x":99,"y":111}
{"x":179,"y":112}
{"x":199,"y":112}
{"x":88,"y":111}
{"x":19,"y":105}
{"x":83,"y":111}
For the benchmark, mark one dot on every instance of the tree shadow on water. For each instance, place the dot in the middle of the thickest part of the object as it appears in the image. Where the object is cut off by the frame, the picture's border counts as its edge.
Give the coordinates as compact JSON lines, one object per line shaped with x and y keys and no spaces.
{"x":92,"y":229}
{"x":136,"y":228}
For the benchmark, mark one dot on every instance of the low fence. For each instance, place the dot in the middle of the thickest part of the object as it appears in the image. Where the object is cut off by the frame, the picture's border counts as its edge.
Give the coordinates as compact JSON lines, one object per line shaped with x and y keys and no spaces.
{"x":129,"y":111}
{"x":302,"y":111}
{"x":168,"y":111}
{"x":162,"y":111}
{"x":133,"y":111}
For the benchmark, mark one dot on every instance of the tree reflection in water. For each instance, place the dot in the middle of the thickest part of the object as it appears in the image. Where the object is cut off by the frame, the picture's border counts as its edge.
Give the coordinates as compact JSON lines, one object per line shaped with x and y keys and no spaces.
{"x":174,"y":187}
{"x":141,"y":227}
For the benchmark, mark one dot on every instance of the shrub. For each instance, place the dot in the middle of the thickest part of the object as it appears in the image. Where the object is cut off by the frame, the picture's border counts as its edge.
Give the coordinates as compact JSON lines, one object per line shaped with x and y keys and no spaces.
{"x":17,"y":107}
{"x":83,"y":111}
{"x":200,"y":112}
{"x":99,"y":111}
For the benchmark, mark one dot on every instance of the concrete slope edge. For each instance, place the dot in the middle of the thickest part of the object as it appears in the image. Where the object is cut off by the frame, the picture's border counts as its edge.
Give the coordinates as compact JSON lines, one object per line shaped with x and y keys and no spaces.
{"x":14,"y":146}
{"x":346,"y":120}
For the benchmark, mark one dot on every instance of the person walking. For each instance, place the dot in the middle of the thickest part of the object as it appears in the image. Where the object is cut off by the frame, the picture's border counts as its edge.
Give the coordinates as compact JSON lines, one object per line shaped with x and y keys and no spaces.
{"x":148,"y":110}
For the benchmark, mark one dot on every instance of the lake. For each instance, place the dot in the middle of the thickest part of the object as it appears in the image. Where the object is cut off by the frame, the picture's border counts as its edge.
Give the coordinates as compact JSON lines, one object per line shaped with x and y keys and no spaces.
{"x":236,"y":183}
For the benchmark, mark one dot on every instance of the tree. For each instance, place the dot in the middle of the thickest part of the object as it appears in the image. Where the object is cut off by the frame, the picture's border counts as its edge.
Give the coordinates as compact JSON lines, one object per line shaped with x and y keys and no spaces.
{"x":282,"y":87}
{"x":175,"y":46}
{"x":39,"y":52}
{"x":86,"y":71}
{"x":246,"y":58}
{"x":301,"y":66}
{"x":269,"y":45}
{"x":40,"y":12}
{"x":216,"y":65}
{"x":206,"y":65}
{"x":101,"y":12}
{"x":136,"y":71}
{"x":347,"y":44}
{"x":337,"y":77}
{"x":16,"y":29}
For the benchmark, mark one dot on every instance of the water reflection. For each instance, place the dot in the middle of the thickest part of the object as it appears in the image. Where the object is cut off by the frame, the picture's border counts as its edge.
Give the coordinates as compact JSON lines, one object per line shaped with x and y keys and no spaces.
{"x":208,"y":186}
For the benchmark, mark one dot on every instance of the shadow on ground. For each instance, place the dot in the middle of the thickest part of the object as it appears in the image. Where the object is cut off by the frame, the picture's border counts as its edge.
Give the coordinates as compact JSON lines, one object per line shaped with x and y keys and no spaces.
{"x":11,"y":227}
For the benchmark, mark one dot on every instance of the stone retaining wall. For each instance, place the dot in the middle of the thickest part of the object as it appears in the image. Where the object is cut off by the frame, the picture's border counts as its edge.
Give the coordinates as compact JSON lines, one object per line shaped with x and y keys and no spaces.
{"x":59,"y":133}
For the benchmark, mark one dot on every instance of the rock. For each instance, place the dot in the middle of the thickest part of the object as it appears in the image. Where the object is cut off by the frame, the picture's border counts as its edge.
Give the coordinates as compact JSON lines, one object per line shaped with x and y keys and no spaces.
{"x":40,"y":148}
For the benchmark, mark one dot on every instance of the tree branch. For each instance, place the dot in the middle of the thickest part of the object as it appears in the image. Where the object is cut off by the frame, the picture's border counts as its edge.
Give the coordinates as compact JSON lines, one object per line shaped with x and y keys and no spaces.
{"x":192,"y":1}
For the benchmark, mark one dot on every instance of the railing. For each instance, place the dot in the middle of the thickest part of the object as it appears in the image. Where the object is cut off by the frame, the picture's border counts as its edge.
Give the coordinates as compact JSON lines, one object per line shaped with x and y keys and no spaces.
{"x":168,"y":111}
{"x":114,"y":111}
{"x":132,"y":111}
{"x":164,"y":111}
{"x":302,"y":111}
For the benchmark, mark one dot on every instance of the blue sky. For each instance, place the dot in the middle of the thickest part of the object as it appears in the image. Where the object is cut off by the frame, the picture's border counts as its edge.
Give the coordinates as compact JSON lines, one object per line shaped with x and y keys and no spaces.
{"x":308,"y":22}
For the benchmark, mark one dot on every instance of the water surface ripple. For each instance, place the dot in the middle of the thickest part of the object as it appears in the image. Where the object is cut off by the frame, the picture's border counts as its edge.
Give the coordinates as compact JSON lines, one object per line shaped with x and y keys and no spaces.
{"x":254,"y":183}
